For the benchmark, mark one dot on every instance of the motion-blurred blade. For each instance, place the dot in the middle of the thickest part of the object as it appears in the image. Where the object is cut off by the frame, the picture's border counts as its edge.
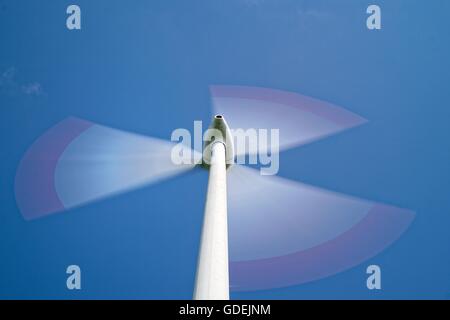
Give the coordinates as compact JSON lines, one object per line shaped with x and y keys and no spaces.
{"x":77,"y":161}
{"x":284,"y":233}
{"x":299,"y":118}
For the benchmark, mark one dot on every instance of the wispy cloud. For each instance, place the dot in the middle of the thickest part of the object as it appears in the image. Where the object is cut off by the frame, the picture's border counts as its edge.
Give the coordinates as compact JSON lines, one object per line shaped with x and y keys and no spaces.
{"x":7,"y":77}
{"x":9,"y":84}
{"x":34,"y":88}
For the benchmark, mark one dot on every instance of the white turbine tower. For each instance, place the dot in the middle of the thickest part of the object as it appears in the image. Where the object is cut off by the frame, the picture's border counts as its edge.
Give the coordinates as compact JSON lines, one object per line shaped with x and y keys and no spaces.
{"x":212,"y":280}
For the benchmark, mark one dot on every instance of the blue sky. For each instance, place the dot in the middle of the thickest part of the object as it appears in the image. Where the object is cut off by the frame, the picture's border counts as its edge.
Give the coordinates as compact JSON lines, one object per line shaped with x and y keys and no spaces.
{"x":146,"y":66}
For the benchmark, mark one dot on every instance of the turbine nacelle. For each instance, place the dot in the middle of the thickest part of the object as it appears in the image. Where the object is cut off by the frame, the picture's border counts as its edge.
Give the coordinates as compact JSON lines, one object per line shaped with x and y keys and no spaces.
{"x":218,"y":132}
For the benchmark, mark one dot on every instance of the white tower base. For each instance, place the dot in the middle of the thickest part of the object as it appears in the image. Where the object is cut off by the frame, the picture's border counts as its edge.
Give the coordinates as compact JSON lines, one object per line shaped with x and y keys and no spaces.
{"x":212,"y":281}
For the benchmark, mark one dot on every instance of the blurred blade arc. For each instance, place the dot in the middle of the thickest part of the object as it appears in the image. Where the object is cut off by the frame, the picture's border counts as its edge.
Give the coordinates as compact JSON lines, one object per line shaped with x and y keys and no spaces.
{"x":300,"y":119}
{"x":77,"y":161}
{"x":286,"y":233}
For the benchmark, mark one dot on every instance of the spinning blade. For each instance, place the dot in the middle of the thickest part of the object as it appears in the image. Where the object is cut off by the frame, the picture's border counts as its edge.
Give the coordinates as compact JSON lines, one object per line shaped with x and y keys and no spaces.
{"x":77,"y":161}
{"x":284,"y":232}
{"x":300,"y":119}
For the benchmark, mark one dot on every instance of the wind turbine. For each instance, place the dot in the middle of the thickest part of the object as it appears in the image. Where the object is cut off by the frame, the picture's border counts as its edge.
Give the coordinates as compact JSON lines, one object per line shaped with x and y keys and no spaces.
{"x":277,"y":233}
